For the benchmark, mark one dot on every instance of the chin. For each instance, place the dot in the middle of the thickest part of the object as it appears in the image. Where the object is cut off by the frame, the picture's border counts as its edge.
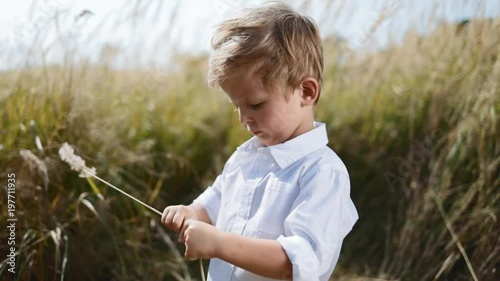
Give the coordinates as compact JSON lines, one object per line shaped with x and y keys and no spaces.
{"x":269,"y":142}
{"x":265,"y":141}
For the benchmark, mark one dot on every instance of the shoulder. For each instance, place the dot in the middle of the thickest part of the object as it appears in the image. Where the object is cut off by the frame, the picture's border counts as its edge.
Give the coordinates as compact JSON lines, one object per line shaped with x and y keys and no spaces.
{"x":324,"y":173}
{"x":324,"y":160}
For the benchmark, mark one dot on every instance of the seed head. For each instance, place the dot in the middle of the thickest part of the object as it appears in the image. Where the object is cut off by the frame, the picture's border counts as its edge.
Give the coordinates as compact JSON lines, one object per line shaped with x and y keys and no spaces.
{"x":76,"y":163}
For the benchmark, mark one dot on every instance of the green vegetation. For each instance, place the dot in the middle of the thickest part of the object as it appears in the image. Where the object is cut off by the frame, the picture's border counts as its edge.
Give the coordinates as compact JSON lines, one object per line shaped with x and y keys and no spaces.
{"x":416,"y":124}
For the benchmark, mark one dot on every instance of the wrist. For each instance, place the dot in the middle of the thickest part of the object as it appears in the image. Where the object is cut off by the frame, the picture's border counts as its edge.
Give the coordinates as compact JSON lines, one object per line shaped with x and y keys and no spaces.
{"x":193,"y":212}
{"x":219,"y":237}
{"x":200,"y":213}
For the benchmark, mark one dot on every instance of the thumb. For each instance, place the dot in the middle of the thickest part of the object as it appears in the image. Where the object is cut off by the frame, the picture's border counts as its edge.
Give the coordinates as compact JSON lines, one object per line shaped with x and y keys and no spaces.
{"x":188,"y":255}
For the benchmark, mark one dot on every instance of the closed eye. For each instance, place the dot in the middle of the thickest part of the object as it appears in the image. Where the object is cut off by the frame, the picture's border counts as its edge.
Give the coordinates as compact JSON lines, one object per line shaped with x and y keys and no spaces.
{"x":256,"y":106}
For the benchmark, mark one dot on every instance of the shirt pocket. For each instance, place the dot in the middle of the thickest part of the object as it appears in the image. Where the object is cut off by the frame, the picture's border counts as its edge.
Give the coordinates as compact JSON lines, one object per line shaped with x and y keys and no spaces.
{"x":276,"y":203}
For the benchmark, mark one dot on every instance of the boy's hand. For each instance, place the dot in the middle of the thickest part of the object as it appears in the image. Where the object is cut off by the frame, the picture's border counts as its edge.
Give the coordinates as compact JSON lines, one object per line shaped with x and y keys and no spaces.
{"x":201,"y":239}
{"x":174,"y":217}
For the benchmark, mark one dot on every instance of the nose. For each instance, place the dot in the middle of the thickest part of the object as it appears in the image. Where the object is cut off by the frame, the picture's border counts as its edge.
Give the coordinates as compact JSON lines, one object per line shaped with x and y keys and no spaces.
{"x":244,"y":116}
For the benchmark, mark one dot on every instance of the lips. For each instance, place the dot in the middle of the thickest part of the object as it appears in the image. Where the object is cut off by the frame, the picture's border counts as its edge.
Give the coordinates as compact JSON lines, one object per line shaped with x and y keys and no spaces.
{"x":251,"y":131}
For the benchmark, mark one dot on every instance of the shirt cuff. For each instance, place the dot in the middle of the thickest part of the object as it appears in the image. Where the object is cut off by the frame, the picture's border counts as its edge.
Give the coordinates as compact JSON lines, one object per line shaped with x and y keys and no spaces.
{"x":304,"y":261}
{"x":210,"y":200}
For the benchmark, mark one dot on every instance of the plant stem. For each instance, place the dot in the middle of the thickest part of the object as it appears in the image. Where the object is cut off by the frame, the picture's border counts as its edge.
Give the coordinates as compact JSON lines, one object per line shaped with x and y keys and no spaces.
{"x":454,"y":235}
{"x":124,"y":193}
{"x":142,"y":203}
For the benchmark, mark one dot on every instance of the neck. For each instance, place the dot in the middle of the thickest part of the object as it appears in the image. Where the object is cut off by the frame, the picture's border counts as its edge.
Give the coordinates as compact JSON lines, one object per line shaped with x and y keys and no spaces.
{"x":305,"y":126}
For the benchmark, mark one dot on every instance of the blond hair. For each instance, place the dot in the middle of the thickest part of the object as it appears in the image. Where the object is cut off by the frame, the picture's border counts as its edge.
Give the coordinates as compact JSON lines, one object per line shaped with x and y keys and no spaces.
{"x":274,"y":41}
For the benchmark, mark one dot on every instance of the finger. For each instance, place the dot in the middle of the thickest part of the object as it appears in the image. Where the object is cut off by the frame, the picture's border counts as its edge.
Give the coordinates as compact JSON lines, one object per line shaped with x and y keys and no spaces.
{"x":181,"y":232}
{"x":188,"y":255}
{"x":186,"y":252}
{"x":169,"y":219}
{"x":178,"y":221}
{"x":182,"y":237}
{"x":164,"y":215}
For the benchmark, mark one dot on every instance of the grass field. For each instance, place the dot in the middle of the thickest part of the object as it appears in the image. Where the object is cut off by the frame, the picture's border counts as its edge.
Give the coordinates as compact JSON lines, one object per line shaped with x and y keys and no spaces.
{"x":416,"y":124}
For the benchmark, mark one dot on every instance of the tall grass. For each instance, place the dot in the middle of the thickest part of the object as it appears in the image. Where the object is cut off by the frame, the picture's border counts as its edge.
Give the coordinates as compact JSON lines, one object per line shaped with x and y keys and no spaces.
{"x":416,"y":124}
{"x":152,"y":143}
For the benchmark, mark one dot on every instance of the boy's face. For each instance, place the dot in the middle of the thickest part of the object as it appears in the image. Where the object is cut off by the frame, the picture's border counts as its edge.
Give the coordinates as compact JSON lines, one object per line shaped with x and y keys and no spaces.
{"x":272,"y":118}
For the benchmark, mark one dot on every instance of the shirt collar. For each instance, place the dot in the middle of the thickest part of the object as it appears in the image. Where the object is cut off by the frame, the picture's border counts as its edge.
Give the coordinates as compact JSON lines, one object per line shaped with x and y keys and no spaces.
{"x":292,"y":150}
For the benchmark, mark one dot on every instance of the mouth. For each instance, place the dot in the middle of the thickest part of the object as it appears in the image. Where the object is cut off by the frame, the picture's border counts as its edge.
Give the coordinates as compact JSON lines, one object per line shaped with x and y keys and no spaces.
{"x":255,"y":133}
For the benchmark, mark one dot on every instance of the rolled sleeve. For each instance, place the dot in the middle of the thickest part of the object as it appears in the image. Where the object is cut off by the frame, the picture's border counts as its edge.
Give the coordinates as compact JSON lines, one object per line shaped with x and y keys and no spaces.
{"x":305,"y":263}
{"x":320,"y":218}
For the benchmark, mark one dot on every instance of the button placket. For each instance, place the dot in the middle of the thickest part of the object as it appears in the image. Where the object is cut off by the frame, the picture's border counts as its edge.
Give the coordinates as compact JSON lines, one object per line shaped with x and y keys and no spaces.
{"x":258,"y":170}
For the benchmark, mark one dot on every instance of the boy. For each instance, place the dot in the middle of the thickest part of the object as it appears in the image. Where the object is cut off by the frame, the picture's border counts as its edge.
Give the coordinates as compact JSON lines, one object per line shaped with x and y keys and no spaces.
{"x":281,"y":207}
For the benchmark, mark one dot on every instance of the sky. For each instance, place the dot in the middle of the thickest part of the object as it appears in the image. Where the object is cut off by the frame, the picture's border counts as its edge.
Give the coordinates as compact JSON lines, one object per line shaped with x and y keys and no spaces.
{"x":150,"y":32}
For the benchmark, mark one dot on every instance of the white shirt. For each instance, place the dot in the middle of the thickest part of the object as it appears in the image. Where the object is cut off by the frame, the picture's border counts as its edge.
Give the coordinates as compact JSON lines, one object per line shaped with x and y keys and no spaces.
{"x":296,"y":193}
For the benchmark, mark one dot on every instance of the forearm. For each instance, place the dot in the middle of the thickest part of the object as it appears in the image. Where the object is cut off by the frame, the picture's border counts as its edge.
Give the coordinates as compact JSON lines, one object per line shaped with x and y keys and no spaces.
{"x":260,"y":256}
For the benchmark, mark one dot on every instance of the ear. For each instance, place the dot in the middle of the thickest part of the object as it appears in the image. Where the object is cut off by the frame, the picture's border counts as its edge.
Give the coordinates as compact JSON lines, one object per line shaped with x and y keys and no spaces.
{"x":309,"y":88}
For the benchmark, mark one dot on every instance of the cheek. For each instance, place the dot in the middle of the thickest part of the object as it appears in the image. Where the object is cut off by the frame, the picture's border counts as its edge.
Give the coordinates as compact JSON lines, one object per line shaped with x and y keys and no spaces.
{"x":277,"y":119}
